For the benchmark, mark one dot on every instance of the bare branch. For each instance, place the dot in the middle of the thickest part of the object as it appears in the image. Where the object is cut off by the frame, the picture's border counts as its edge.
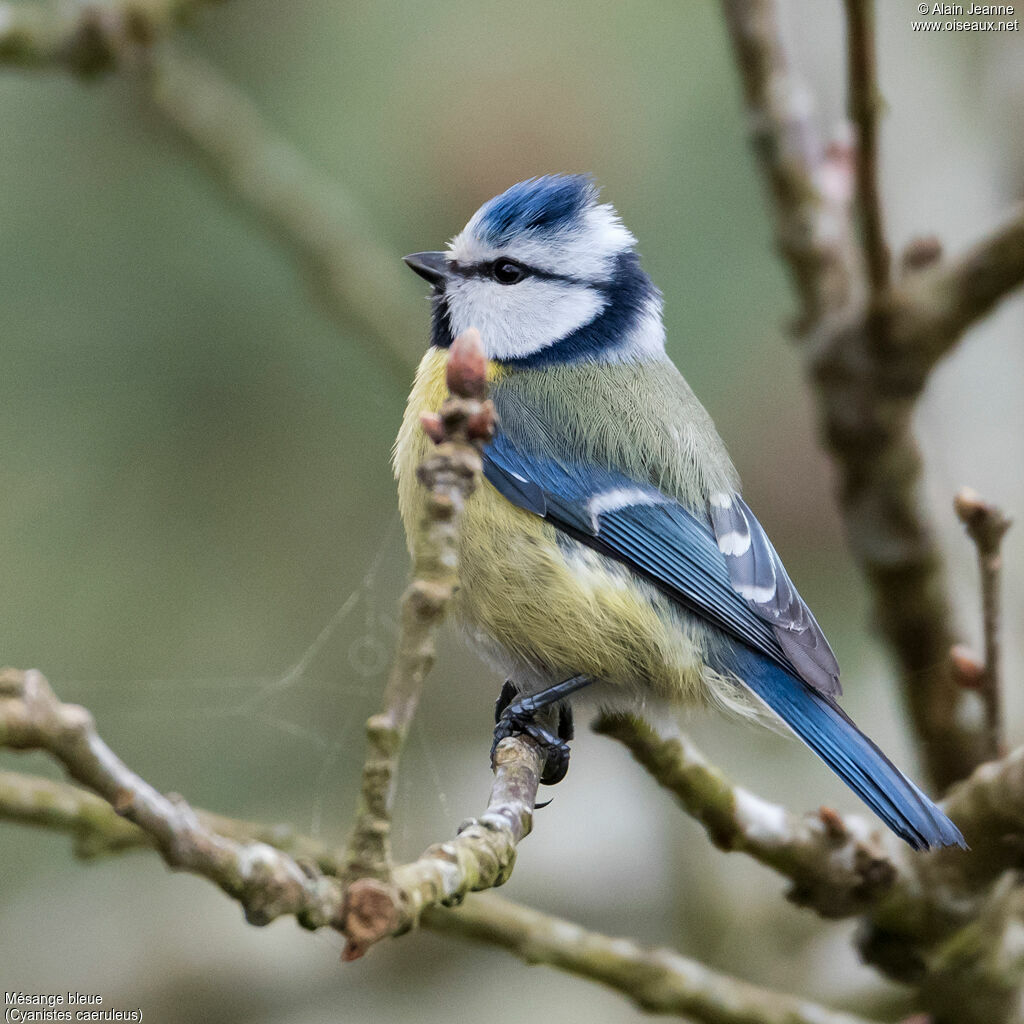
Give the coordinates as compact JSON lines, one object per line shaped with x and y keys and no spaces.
{"x":989,"y":808}
{"x":864,"y":104}
{"x":450,"y":475}
{"x":98,"y":831}
{"x":909,"y":932}
{"x":867,"y":431}
{"x":657,"y":980}
{"x":916,"y":909}
{"x":358,"y":280}
{"x":930,"y":310}
{"x":90,"y":820}
{"x":868,"y":363}
{"x":270,"y":871}
{"x":379,"y":900}
{"x":976,"y":976}
{"x":266,"y":882}
{"x":811,"y":222}
{"x":837,"y":864}
{"x":868,"y":372}
{"x":86,"y":39}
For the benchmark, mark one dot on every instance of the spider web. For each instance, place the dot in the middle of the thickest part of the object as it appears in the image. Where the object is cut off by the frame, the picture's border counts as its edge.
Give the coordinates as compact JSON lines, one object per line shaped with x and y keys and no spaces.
{"x":337,"y":680}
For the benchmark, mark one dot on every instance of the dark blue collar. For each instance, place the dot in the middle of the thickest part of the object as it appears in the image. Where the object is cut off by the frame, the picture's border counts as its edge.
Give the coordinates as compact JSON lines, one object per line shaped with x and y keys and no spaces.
{"x":627,"y":298}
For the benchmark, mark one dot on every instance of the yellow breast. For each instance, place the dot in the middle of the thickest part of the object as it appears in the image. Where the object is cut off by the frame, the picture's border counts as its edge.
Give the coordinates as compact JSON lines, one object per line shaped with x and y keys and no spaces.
{"x":558,"y":608}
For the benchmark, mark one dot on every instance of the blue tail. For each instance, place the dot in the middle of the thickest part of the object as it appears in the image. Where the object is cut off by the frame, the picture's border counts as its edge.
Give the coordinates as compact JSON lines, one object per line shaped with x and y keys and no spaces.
{"x":830,"y":733}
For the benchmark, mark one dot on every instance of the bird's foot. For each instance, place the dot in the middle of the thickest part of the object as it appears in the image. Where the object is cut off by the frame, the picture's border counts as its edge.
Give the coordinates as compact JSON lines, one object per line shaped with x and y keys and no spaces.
{"x":515,"y":716}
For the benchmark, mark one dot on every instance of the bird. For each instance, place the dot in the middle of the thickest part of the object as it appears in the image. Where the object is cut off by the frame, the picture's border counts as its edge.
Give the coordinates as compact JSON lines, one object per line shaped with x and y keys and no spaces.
{"x":609,"y":548}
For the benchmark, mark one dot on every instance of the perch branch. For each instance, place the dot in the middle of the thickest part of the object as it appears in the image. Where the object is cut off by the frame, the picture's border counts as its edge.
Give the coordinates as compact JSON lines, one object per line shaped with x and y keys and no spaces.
{"x":657,"y":980}
{"x":481,"y":856}
{"x":836,"y":864}
{"x":931,"y":900}
{"x":987,"y":525}
{"x":86,"y":39}
{"x":270,"y":871}
{"x":450,"y":475}
{"x":864,"y":103}
{"x":379,"y":900}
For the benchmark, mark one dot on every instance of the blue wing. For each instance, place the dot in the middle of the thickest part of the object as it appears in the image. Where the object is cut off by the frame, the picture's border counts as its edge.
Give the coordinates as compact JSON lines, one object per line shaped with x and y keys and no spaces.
{"x":760,"y":578}
{"x":636,"y":524}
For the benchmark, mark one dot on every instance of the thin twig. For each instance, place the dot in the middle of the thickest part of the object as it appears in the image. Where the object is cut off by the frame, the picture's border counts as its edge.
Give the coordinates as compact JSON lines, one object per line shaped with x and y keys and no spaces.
{"x":864,"y":102}
{"x":449,"y":475}
{"x":98,"y":831}
{"x":657,"y":980}
{"x":810,"y":220}
{"x":837,"y":864}
{"x":986,"y":526}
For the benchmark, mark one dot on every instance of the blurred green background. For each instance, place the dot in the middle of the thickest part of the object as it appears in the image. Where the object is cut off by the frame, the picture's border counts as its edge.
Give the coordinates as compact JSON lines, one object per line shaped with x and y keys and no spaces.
{"x":198,"y":529}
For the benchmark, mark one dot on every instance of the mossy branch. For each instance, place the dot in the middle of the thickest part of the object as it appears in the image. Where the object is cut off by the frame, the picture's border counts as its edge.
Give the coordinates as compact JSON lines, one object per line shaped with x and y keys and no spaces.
{"x":837,"y":864}
{"x":656,"y":980}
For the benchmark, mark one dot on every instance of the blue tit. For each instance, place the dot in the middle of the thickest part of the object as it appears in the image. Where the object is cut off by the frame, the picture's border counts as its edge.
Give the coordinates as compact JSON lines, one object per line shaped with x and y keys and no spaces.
{"x":609,"y":546}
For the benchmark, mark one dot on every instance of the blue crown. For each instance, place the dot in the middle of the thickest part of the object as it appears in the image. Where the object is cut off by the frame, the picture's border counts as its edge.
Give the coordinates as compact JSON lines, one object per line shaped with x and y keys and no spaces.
{"x":539,"y":204}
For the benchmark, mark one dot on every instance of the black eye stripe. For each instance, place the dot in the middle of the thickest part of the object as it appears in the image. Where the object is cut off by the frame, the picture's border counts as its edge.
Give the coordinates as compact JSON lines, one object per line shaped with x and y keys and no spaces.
{"x":484,"y":270}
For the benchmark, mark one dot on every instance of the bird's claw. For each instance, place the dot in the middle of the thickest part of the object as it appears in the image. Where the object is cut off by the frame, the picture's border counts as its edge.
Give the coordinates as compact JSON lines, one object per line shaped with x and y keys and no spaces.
{"x":515,"y":719}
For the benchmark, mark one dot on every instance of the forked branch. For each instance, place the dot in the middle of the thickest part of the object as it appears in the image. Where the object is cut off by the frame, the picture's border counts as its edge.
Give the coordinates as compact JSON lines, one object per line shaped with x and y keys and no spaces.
{"x":656,"y":980}
{"x":869,"y":348}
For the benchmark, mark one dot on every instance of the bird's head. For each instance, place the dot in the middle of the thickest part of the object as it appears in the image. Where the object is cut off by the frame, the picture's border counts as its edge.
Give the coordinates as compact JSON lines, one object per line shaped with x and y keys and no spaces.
{"x":547,"y":274}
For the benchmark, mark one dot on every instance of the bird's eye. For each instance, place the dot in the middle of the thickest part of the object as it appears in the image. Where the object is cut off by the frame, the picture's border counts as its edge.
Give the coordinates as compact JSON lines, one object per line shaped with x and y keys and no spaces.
{"x":508,"y":271}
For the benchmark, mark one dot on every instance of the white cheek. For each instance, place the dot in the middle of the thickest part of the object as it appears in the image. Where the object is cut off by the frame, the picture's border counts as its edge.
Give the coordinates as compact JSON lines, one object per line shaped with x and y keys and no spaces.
{"x":520,"y":319}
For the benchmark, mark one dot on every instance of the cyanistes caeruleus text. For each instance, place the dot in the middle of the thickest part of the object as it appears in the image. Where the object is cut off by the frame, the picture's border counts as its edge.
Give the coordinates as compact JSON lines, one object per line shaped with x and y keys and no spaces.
{"x":610,"y":546}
